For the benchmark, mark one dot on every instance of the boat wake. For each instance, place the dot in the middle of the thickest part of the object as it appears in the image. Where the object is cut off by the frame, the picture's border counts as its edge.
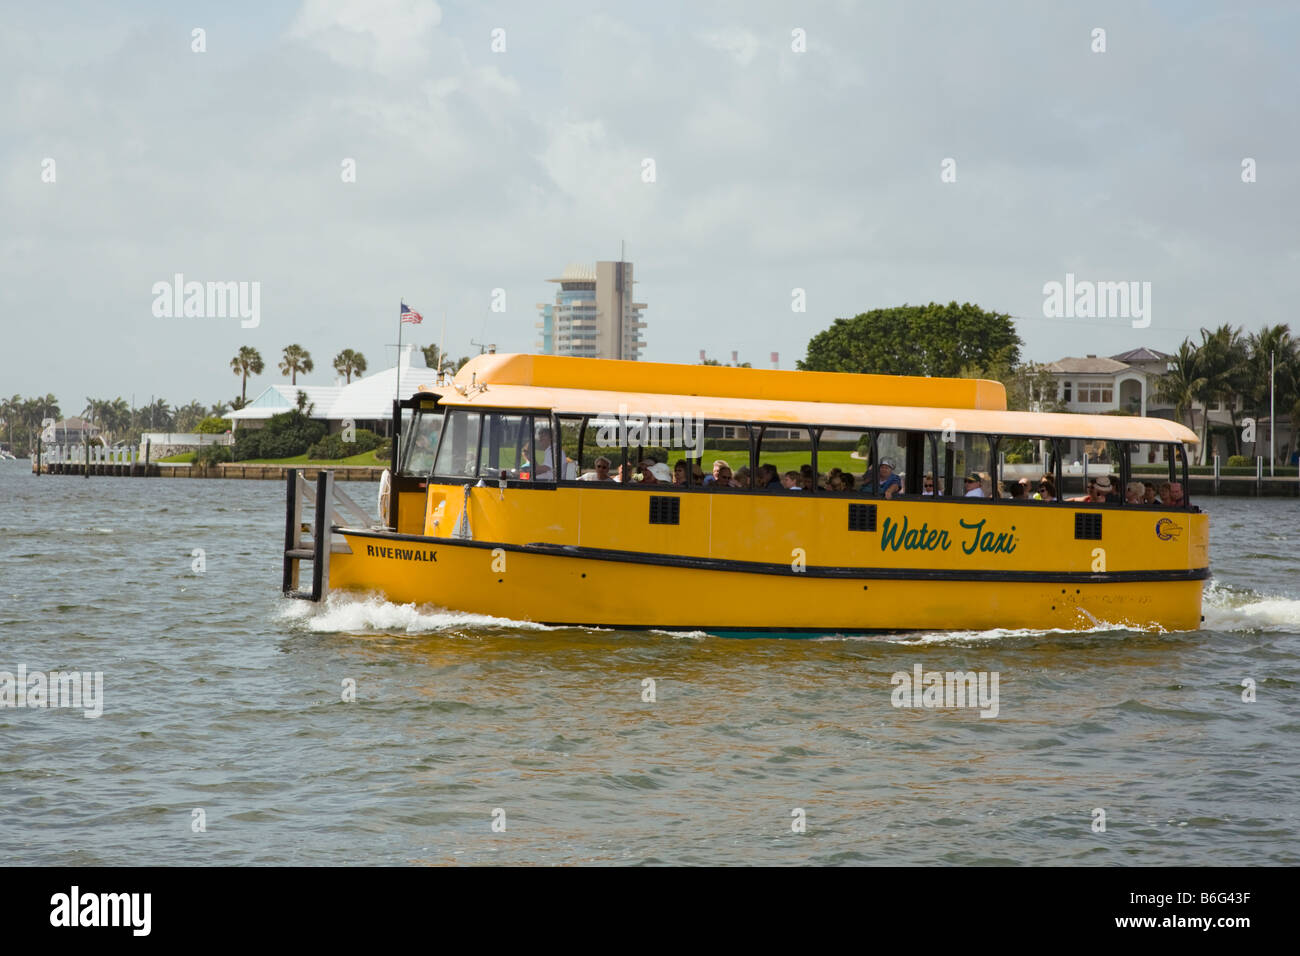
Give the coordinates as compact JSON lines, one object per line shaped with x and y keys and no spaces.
{"x":1227,"y":608}
{"x":342,"y":614}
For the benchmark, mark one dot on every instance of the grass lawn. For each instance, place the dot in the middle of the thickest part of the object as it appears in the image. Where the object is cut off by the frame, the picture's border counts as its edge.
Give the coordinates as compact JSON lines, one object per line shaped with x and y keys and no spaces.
{"x":365,"y":458}
{"x":182,"y":458}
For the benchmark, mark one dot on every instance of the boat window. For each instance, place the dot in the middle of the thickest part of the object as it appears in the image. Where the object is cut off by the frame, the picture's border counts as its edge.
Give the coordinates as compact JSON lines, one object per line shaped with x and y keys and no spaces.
{"x":842,"y":461}
{"x":419,"y":440}
{"x":507,"y":447}
{"x":888,"y":466}
{"x":972,"y":455}
{"x":724,"y":459}
{"x":570,"y":434}
{"x":458,"y":445}
{"x":932,"y":470}
{"x":545,"y":452}
{"x":784,"y":456}
{"x":603,"y":453}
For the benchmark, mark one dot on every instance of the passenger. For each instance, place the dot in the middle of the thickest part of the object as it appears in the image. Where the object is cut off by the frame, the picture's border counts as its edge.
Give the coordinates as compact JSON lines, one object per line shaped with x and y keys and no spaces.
{"x":768,"y":479}
{"x":1149,"y":495}
{"x":1163,"y":496}
{"x":1176,"y":499}
{"x":927,"y":484}
{"x":1015,"y":490}
{"x":1101,"y":491}
{"x":1091,"y":493}
{"x":1135,"y":493}
{"x":973,"y":489}
{"x":741,"y":478}
{"x":680,"y":472}
{"x":986,"y":484}
{"x":651,"y":472}
{"x":601,"y":473}
{"x":806,"y":477}
{"x":1027,"y":488}
{"x":792,"y":481}
{"x":624,"y":475}
{"x":847,"y":478}
{"x":1046,"y":488}
{"x":697,"y":474}
{"x":890,"y":484}
{"x":721,"y":476}
{"x":545,"y":470}
{"x":833,"y":481}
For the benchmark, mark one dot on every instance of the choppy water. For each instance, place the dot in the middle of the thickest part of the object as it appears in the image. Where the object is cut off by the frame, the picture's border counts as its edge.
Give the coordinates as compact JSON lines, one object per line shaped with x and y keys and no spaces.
{"x":221,"y":696}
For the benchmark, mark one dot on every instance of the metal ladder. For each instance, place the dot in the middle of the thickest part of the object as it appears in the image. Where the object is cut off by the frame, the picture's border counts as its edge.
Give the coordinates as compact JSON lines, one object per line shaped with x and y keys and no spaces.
{"x":319,"y":543}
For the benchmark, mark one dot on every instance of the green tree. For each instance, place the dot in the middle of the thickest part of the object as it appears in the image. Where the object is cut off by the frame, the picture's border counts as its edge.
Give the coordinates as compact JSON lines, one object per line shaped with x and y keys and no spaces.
{"x":1273,"y":350}
{"x":247,"y":362}
{"x":350,"y":363}
{"x":929,"y":339}
{"x":1183,"y":382}
{"x":296,"y":359}
{"x":189,"y":416}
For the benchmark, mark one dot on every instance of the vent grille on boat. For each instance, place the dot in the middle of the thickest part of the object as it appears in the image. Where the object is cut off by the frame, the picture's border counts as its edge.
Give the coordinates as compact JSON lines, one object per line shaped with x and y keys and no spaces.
{"x":1087,"y":527}
{"x":862,"y":517}
{"x":665,"y":510}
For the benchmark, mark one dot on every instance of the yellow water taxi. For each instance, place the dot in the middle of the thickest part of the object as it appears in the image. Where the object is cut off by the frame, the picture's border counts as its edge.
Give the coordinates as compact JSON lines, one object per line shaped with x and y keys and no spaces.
{"x":613,"y":494}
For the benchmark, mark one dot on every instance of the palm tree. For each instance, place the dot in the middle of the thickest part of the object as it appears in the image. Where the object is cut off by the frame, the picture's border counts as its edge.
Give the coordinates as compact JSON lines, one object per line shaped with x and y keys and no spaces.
{"x":296,"y":359}
{"x":248,"y":361}
{"x":219,"y":410}
{"x":189,"y":416}
{"x":1180,"y":385}
{"x":350,"y":363}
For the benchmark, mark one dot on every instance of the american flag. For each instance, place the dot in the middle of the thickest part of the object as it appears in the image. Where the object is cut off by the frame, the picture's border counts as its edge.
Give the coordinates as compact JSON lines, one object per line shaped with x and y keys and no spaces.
{"x":410,"y":315}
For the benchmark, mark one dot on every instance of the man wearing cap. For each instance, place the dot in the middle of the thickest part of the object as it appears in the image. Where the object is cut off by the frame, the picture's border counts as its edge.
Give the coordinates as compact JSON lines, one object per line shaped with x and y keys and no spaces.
{"x":973,"y":489}
{"x":890,"y":484}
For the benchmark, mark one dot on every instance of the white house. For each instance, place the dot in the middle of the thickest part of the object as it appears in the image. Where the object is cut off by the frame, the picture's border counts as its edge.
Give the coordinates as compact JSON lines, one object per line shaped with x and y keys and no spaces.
{"x":366,"y":402}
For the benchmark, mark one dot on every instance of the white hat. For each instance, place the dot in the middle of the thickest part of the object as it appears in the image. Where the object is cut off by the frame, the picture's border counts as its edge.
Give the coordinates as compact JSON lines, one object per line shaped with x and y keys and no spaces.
{"x":661,"y":472}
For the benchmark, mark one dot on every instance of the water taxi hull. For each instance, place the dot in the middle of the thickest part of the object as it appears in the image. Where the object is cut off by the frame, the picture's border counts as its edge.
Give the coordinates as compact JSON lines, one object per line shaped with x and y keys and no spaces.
{"x":585,"y":587}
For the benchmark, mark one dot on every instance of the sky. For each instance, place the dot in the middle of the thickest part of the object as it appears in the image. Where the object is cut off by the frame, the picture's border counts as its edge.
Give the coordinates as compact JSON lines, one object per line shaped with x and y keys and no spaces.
{"x":870,"y":155}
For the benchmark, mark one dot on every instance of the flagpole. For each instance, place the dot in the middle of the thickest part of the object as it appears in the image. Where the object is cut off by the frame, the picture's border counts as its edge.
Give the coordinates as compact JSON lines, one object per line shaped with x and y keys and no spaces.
{"x":442,"y":359}
{"x":398,"y":388}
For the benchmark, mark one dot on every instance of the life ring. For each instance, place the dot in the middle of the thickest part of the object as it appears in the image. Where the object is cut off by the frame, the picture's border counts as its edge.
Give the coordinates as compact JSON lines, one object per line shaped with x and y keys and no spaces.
{"x":385,"y":494}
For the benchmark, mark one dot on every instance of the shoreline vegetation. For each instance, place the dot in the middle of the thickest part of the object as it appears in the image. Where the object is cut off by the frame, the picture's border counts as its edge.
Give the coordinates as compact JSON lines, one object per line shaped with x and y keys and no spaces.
{"x":1236,"y":373}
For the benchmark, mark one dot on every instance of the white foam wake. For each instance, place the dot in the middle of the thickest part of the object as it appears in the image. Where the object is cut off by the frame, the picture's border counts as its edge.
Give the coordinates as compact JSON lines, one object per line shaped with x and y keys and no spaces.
{"x":341,"y":613}
{"x":1228,"y":609}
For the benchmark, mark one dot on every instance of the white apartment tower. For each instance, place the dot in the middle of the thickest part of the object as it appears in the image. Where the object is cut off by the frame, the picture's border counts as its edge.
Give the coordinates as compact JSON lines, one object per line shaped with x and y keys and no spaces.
{"x":594,"y":314}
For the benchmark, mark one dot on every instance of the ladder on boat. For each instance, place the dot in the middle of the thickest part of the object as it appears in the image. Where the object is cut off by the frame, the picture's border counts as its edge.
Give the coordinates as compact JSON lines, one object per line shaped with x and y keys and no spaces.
{"x":315,"y":542}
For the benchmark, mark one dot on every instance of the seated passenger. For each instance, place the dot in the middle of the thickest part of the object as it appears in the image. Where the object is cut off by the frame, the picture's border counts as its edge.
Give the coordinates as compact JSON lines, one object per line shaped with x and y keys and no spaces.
{"x":806,"y":477}
{"x":721,"y":476}
{"x":680,"y":472}
{"x":1014,"y":490}
{"x":768,"y":480}
{"x":986,"y":484}
{"x":973,"y":489}
{"x":890,"y":484}
{"x":927,"y":484}
{"x":1162,"y":496}
{"x":1176,"y":499}
{"x":654,"y":473}
{"x":697,"y":474}
{"x":847,"y":478}
{"x":834,"y":481}
{"x":1149,"y":495}
{"x":792,"y":481}
{"x":1101,"y":490}
{"x":545,"y":470}
{"x":1046,"y":488}
{"x":624,"y":475}
{"x":1135,"y":493}
{"x":741,"y":478}
{"x":600,"y":474}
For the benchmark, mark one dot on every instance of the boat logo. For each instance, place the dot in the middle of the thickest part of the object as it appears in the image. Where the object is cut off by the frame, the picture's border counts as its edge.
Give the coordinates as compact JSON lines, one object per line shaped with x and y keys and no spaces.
{"x":1167,"y":529}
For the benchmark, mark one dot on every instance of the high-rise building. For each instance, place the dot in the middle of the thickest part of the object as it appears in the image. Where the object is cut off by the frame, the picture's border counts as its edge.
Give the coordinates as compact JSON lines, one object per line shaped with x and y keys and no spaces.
{"x":594,"y":314}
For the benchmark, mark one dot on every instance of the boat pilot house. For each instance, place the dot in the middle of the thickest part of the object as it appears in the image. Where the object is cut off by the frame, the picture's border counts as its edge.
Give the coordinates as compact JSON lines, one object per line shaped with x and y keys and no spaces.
{"x":632,"y":494}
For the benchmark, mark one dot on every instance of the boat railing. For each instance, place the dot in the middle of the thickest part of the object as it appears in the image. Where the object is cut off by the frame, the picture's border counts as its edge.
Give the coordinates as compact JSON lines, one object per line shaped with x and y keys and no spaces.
{"x":315,"y":541}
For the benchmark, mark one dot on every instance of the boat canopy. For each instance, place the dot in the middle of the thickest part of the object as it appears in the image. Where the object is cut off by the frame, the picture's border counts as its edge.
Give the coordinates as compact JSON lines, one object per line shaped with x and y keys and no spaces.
{"x":583,"y":386}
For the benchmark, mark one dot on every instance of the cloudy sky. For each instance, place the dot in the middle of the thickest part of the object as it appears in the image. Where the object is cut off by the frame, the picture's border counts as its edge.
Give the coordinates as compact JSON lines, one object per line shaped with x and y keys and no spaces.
{"x":481,"y":169}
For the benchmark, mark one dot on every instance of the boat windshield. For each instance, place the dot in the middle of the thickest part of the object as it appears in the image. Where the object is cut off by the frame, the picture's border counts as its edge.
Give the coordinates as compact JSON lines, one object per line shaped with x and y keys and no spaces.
{"x":419,"y":442}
